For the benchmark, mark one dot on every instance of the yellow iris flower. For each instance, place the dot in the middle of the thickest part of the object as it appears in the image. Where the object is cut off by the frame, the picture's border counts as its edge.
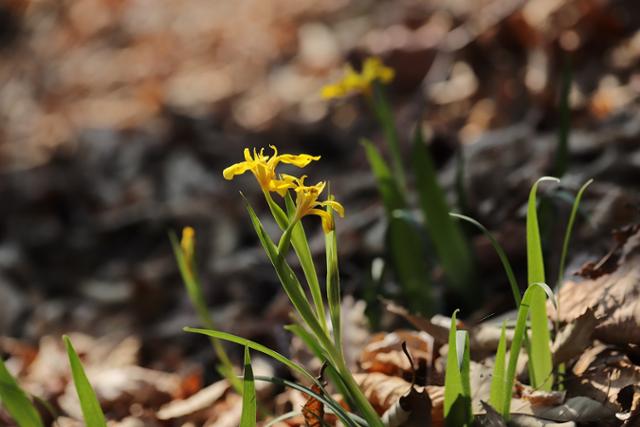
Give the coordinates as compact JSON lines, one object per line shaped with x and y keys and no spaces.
{"x":353,"y":82}
{"x":307,"y":202}
{"x":264,"y":168}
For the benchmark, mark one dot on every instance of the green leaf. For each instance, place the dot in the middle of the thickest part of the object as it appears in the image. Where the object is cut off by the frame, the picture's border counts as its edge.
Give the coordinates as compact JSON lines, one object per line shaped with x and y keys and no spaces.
{"x":333,"y":284}
{"x":301,"y":247}
{"x":330,"y":371}
{"x":497,"y":393}
{"x":392,"y":197}
{"x":450,"y":243}
{"x":515,"y":290}
{"x":409,"y":258}
{"x":567,"y":233}
{"x":540,"y":356}
{"x":562,"y":154}
{"x":91,"y":411}
{"x":288,"y":278}
{"x":255,"y":346}
{"x":196,"y":296}
{"x":249,"y":409}
{"x":385,"y":118}
{"x":457,"y":395}
{"x":16,"y":402}
{"x":518,"y":337}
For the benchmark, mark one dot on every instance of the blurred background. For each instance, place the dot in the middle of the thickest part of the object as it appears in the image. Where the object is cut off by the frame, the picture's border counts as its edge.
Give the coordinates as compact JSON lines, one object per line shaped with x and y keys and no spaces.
{"x":117,"y":118}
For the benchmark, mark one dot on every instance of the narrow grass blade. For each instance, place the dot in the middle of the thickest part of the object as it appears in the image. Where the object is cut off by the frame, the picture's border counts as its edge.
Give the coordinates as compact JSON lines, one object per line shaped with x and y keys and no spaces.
{"x":16,"y":402}
{"x":312,"y":344}
{"x":392,"y":196}
{"x":567,"y":233}
{"x":333,"y":285}
{"x":497,"y":391}
{"x":518,"y":337}
{"x":349,"y":419}
{"x":540,"y":356}
{"x":385,"y":117}
{"x":282,"y":418}
{"x":254,"y":346}
{"x":249,"y":408}
{"x":409,"y":259}
{"x":449,"y":241}
{"x":561,"y":162}
{"x":91,"y":411}
{"x":457,"y":402}
{"x":515,"y":290}
{"x":461,"y":191}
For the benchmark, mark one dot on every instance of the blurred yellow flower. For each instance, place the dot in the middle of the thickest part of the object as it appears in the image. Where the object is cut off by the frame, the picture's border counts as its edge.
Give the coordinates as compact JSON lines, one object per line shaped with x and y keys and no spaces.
{"x":264,"y":168}
{"x":187,"y":243}
{"x":307,"y":202}
{"x":353,"y":82}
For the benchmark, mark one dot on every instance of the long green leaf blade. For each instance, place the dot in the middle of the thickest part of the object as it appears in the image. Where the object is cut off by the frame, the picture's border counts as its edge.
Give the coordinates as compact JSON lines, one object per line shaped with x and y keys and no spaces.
{"x":333,"y":285}
{"x":302,"y":250}
{"x":15,"y":400}
{"x":409,"y":258}
{"x":249,"y":408}
{"x":567,"y":234}
{"x":561,"y":161}
{"x":518,"y":338}
{"x":392,"y":197}
{"x":540,"y":356}
{"x":254,"y":346}
{"x":287,"y":277}
{"x":515,"y":290}
{"x":91,"y":410}
{"x":451,"y":246}
{"x":497,"y":393}
{"x":455,"y":404}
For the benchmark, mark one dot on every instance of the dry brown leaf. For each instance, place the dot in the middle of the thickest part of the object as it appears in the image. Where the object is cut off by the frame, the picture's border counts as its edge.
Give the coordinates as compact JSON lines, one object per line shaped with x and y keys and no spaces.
{"x":576,"y":409}
{"x":383,"y":353}
{"x":313,"y":409}
{"x":629,"y":400}
{"x":601,"y":373}
{"x":491,"y":417}
{"x":437,"y":331}
{"x":384,"y":391}
{"x":203,"y":399}
{"x":411,"y":410}
{"x":574,"y":338}
{"x":614,"y":298}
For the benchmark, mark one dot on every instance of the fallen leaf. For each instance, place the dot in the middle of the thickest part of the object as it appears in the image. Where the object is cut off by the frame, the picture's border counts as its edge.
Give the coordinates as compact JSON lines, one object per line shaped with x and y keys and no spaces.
{"x":203,"y":399}
{"x":574,"y":338}
{"x":412,"y":410}
{"x":614,"y":298}
{"x":383,"y":353}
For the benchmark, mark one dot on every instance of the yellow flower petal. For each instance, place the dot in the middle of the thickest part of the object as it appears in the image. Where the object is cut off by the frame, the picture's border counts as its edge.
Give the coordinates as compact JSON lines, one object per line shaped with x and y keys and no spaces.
{"x":335,"y":206}
{"x":332,"y":91}
{"x":327,"y":220}
{"x":299,"y":160}
{"x":237,"y":169}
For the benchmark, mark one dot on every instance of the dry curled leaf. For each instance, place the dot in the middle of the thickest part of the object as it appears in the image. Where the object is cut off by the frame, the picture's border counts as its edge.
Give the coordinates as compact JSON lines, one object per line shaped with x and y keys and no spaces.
{"x":412,"y":410}
{"x":384,"y":391}
{"x":574,"y":338}
{"x":601,"y":372}
{"x":614,"y":298}
{"x":383,"y":353}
